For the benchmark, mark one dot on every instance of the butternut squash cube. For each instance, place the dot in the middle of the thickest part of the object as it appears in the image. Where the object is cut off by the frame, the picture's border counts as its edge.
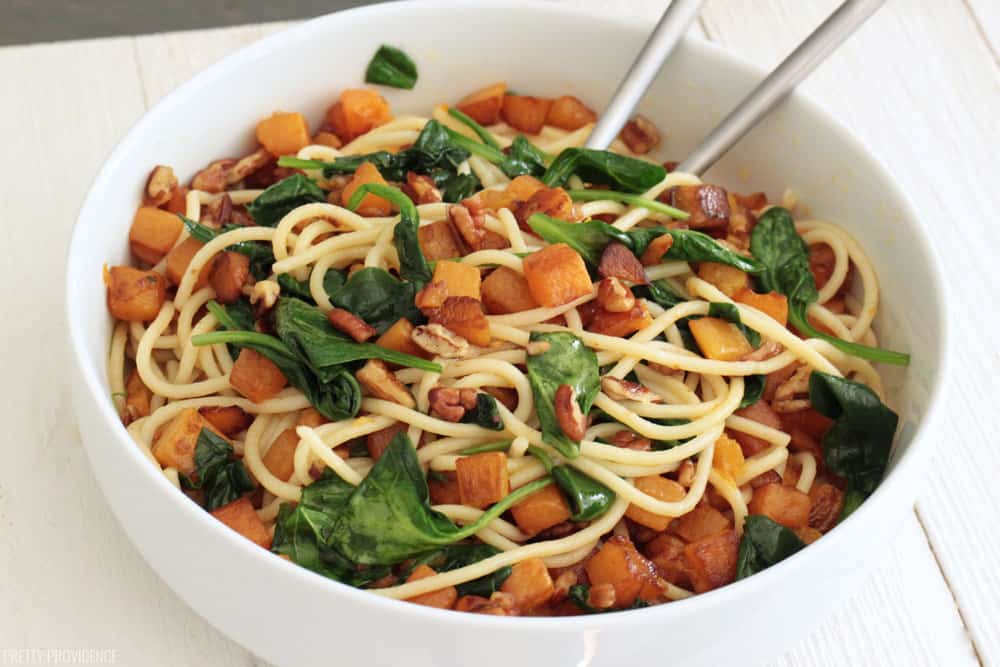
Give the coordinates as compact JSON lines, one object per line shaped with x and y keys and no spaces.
{"x":459,"y":279}
{"x":175,"y":443}
{"x":312,"y":418}
{"x":556,"y":275}
{"x":483,"y":479}
{"x":283,"y":133}
{"x":357,"y":112}
{"x":371,"y":205}
{"x":255,"y":376}
{"x":728,"y":457}
{"x":179,"y":258}
{"x":228,"y":420}
{"x":506,"y":291}
{"x":530,"y":584}
{"x":702,"y":521}
{"x":378,"y":441}
{"x":137,"y":397}
{"x":782,"y":504}
{"x":483,"y":106}
{"x":443,"y":598}
{"x":134,"y":295}
{"x":728,"y":279}
{"x":541,"y":510}
{"x":711,"y":561}
{"x":444,"y":489}
{"x":569,"y":113}
{"x":620,"y":324}
{"x":153,"y":233}
{"x":397,"y":337}
{"x":719,"y":340}
{"x":464,"y":316}
{"x":773,"y":304}
{"x":525,"y":113}
{"x":280,"y":456}
{"x":660,"y":488}
{"x":242,"y":517}
{"x":439,"y":240}
{"x":629,"y":572}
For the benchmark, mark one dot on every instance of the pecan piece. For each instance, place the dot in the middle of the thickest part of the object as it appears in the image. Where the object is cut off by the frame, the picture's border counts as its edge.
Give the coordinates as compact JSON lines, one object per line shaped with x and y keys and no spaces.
{"x":708,"y":205}
{"x":472,"y":228}
{"x":451,"y":403}
{"x":626,"y":390}
{"x":571,"y":419}
{"x":685,"y":473}
{"x":266,"y":293}
{"x":614,"y":297}
{"x":764,"y":352}
{"x":217,"y":212}
{"x":630,"y":440}
{"x":657,"y":248}
{"x":827,"y":504}
{"x":160,"y":186}
{"x":213,"y":178}
{"x":640,"y":135}
{"x":431,"y":297}
{"x":422,"y":188}
{"x":347,"y":322}
{"x":766,"y":477}
{"x":250,"y":164}
{"x":229,"y":274}
{"x":376,"y":377}
{"x":792,"y":395}
{"x":554,"y":202}
{"x":440,"y":341}
{"x":617,"y":261}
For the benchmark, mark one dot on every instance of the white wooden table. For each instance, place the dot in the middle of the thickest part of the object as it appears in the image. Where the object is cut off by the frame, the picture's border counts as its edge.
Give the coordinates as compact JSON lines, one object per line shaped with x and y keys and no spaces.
{"x":920,"y":84}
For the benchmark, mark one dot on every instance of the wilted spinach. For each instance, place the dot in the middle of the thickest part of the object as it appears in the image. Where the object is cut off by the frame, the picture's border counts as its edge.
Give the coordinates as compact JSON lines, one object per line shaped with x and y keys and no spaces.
{"x":481,"y":132}
{"x":566,"y":361}
{"x":588,"y":498}
{"x":455,"y":556}
{"x":277,"y":201}
{"x":391,"y":67}
{"x":763,"y":544}
{"x":377,"y":297}
{"x":413,"y":266}
{"x":223,"y":478}
{"x":523,"y":158}
{"x":605,"y":168}
{"x":785,"y":257}
{"x":333,"y":280}
{"x":659,"y":292}
{"x":485,"y":414}
{"x":260,"y":254}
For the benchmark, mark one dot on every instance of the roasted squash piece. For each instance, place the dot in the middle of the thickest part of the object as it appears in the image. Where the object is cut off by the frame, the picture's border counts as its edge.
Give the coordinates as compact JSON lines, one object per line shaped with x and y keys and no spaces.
{"x":719,"y":340}
{"x":556,"y":275}
{"x":443,"y":489}
{"x":727,"y":458}
{"x":711,"y":561}
{"x":773,"y":304}
{"x":229,"y":420}
{"x":702,"y":521}
{"x":137,"y":398}
{"x":541,"y":510}
{"x":357,"y":112}
{"x":242,"y":517}
{"x":443,"y":598}
{"x":153,"y":233}
{"x":464,"y":316}
{"x":483,"y":106}
{"x":530,"y":584}
{"x":667,"y":553}
{"x":783,"y":504}
{"x":134,"y":295}
{"x":378,"y":441}
{"x":620,"y":324}
{"x":619,"y":564}
{"x":283,"y":133}
{"x":174,"y":445}
{"x":229,"y":273}
{"x":483,"y":479}
{"x":371,"y":205}
{"x":255,"y":376}
{"x":397,"y":337}
{"x":569,"y":113}
{"x":439,"y":240}
{"x":179,"y":258}
{"x":728,"y":279}
{"x":280,"y":456}
{"x":525,"y":113}
{"x":459,"y":279}
{"x":506,"y":291}
{"x":759,"y":412}
{"x":707,"y":205}
{"x":660,"y":488}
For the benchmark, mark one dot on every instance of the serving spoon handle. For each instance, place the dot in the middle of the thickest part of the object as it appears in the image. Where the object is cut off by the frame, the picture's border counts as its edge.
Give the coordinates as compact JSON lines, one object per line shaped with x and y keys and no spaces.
{"x":779,"y":83}
{"x":665,"y":36}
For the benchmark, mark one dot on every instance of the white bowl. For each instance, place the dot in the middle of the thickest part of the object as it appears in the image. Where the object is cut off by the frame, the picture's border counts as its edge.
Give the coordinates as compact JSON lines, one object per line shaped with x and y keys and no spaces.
{"x":291,"y":616}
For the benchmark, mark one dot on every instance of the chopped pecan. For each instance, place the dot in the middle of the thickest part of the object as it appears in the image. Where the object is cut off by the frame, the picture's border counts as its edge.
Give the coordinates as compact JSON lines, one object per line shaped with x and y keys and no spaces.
{"x":217,"y":212}
{"x":422,"y":188}
{"x":827,"y":504}
{"x":440,"y":341}
{"x":631,"y":440}
{"x":640,"y":135}
{"x":657,"y":248}
{"x":472,"y":228}
{"x":160,"y":186}
{"x":766,"y":351}
{"x":601,"y":596}
{"x":685,"y":473}
{"x":614,"y":297}
{"x":626,"y":390}
{"x":229,"y":273}
{"x":431,"y":297}
{"x":555,"y":202}
{"x":617,"y":261}
{"x":571,"y":419}
{"x":383,"y":383}
{"x":250,"y":164}
{"x":265,"y":292}
{"x":792,"y":395}
{"x":347,"y":322}
{"x":767,"y":477}
{"x":451,"y":403}
{"x":213,"y":178}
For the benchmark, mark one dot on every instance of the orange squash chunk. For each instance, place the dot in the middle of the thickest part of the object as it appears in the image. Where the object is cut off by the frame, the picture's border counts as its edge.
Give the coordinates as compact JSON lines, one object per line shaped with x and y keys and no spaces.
{"x":541,"y":510}
{"x":719,"y":340}
{"x":137,"y":397}
{"x":459,"y":279}
{"x":506,"y":291}
{"x":660,"y":488}
{"x":371,"y":205}
{"x":134,"y":295}
{"x":464,"y":316}
{"x":178,"y":200}
{"x":620,"y":324}
{"x":255,"y":376}
{"x":443,"y":598}
{"x":312,"y":418}
{"x":482,"y":479}
{"x":444,"y":491}
{"x":283,"y":133}
{"x":728,"y":279}
{"x":153,"y":233}
{"x":175,"y":443}
{"x":357,"y":112}
{"x":530,"y":584}
{"x":667,"y":553}
{"x":228,"y":420}
{"x":702,"y":521}
{"x":242,"y":517}
{"x":378,"y":441}
{"x":556,"y":275}
{"x":728,"y":457}
{"x":782,"y":504}
{"x":619,"y":564}
{"x":569,"y":113}
{"x":280,"y":456}
{"x":772,"y":304}
{"x":179,"y":258}
{"x":397,"y":337}
{"x":525,"y":113}
{"x":438,"y":241}
{"x":711,"y":561}
{"x":483,"y":106}
{"x":759,"y":412}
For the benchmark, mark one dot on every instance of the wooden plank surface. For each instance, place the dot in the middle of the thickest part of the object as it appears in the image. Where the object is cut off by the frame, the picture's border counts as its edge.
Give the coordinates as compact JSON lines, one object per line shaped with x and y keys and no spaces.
{"x":919,"y":84}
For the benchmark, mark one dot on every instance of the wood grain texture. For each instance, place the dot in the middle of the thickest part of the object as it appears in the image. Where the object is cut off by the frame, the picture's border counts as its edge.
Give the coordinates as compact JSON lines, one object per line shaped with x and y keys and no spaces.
{"x":918,"y":84}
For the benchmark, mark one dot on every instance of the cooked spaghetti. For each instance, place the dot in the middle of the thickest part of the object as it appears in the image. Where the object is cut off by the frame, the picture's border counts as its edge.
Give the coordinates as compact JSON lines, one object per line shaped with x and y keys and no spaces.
{"x":464,"y":362}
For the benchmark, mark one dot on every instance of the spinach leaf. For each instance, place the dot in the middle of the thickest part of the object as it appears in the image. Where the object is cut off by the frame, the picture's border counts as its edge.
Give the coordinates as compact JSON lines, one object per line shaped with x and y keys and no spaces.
{"x":485,"y":413}
{"x":523,"y":158}
{"x":236,"y":315}
{"x":391,"y":67}
{"x":603,"y":167}
{"x":384,"y":161}
{"x":456,"y":187}
{"x":626,"y":198}
{"x":333,"y":280}
{"x":413,"y":266}
{"x":498,"y":446}
{"x":858,"y":444}
{"x":566,"y":361}
{"x":378,"y":298}
{"x":388,"y":517}
{"x":785,"y":257}
{"x":481,"y":132}
{"x":455,"y":556}
{"x":753,"y":390}
{"x":260,"y":254}
{"x":589,"y":239}
{"x":308,"y":333}
{"x":763,"y":544}
{"x":579,"y":594}
{"x":223,"y":478}
{"x":659,"y":292}
{"x":277,"y":201}
{"x":587,"y":498}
